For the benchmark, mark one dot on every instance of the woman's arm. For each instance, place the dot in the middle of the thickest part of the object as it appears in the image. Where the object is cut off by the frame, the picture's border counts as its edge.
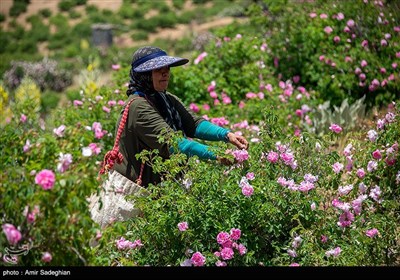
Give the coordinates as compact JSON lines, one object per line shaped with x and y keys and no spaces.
{"x":194,"y":148}
{"x":209,"y":131}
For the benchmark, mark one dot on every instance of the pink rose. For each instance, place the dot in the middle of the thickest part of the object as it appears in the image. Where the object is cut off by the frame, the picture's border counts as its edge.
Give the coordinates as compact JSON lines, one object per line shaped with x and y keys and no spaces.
{"x":183,"y":226}
{"x":13,"y":235}
{"x":45,"y":179}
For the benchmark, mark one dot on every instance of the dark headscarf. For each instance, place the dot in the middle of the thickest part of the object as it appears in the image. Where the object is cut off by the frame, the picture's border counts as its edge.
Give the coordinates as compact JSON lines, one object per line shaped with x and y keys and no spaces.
{"x":142,"y":83}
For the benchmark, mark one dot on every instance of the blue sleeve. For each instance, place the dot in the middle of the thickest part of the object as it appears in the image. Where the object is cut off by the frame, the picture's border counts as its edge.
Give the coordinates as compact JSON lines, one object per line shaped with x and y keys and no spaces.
{"x":209,"y":131}
{"x":193,"y":148}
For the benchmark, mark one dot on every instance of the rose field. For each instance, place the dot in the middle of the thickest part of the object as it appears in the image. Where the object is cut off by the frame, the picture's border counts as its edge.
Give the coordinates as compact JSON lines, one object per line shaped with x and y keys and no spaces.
{"x":313,"y":86}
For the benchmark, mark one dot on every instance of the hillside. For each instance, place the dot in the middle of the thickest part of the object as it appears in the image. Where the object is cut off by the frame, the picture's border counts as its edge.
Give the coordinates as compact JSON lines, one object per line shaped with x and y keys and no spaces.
{"x":122,"y":40}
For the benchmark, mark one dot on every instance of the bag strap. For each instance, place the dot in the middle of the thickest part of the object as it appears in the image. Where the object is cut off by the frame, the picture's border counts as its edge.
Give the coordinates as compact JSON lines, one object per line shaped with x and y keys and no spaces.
{"x":115,"y":156}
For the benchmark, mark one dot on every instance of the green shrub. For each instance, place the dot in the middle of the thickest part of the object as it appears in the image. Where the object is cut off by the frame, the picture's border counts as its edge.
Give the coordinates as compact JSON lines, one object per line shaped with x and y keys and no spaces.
{"x":46,"y":13}
{"x":49,"y":101}
{"x":178,"y":4}
{"x":39,"y":31}
{"x":145,"y":25}
{"x":165,"y":20}
{"x":74,"y":14}
{"x":72,"y":95}
{"x":91,"y":9}
{"x":140,"y":36}
{"x":80,"y":2}
{"x":18,"y":7}
{"x":66,"y":5}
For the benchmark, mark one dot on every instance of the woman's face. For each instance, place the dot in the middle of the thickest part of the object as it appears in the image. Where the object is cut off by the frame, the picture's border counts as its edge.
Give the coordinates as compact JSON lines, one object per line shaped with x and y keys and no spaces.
{"x":160,"y":78}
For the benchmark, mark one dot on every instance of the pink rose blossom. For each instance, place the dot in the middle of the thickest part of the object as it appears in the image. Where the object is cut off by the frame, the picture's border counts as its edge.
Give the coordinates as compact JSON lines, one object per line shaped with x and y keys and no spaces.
{"x":13,"y":235}
{"x":363,"y":63}
{"x":27,"y":146}
{"x":292,"y":253}
{"x":23,"y":118}
{"x":335,"y":128}
{"x":377,"y":154}
{"x":211,"y":87}
{"x":313,"y":206}
{"x":241,"y":155}
{"x":198,"y":259}
{"x":360,"y":173}
{"x":337,"y":167}
{"x":222,"y":237}
{"x":235,"y":233}
{"x":250,"y":176}
{"x":372,"y":166}
{"x":47,"y":257}
{"x":242,"y":249}
{"x":340,"y":16}
{"x":364,"y":43}
{"x":336,"y":39}
{"x":372,"y":232}
{"x":182,"y":226}
{"x":206,"y":107}
{"x":372,"y":135}
{"x":45,"y":179}
{"x":106,"y":109}
{"x":194,"y":107}
{"x":350,"y":23}
{"x":273,"y":157}
{"x":112,"y":103}
{"x":59,"y":131}
{"x":227,"y":253}
{"x":77,"y":103}
{"x":95,"y":149}
{"x":98,"y":235}
{"x":334,"y":252}
{"x":200,"y":58}
{"x":247,"y":190}
{"x":220,"y":263}
{"x":64,"y":161}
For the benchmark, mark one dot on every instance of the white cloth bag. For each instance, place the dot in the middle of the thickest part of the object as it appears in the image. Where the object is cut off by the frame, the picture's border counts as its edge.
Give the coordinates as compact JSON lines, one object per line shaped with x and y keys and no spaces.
{"x":111,"y":203}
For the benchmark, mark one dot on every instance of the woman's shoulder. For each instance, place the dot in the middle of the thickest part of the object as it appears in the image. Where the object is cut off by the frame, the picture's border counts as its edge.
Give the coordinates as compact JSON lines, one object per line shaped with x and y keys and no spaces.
{"x":173,"y":96}
{"x":140,"y":106}
{"x":137,"y":100}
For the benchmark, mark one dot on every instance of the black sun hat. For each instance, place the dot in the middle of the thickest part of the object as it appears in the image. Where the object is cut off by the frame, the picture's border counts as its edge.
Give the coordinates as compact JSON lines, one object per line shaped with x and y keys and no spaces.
{"x":149,"y":58}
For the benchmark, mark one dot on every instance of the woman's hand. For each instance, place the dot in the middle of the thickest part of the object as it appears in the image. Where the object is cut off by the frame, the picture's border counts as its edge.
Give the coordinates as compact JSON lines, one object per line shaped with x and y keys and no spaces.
{"x":237,"y":140}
